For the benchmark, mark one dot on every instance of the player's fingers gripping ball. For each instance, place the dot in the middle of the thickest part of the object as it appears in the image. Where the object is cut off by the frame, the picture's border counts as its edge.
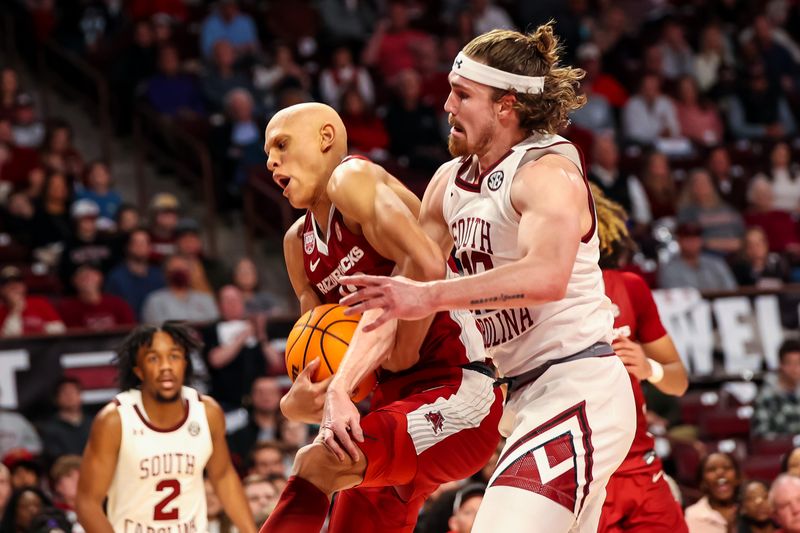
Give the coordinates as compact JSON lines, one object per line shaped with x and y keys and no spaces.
{"x":324,"y":332}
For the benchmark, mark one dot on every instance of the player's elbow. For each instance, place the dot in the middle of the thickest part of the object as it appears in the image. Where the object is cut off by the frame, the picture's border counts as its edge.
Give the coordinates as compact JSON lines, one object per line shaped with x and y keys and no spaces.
{"x":550,"y":289}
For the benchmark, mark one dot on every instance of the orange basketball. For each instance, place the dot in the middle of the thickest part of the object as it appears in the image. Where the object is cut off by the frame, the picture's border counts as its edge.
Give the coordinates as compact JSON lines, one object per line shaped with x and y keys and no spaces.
{"x":324,"y":332}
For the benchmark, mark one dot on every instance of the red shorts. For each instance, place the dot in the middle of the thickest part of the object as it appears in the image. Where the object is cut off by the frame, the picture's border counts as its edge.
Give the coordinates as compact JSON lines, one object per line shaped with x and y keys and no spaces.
{"x":641,"y":502}
{"x":442,"y":433}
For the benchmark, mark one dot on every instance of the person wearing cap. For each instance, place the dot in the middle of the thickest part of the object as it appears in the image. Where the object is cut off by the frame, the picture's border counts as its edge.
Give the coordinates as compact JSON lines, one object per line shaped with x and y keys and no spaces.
{"x":87,"y":245}
{"x":91,"y":308}
{"x":25,"y":468}
{"x":21,"y":314}
{"x":693,"y":268}
{"x":465,"y":506}
{"x":227,"y":23}
{"x":596,"y":81}
{"x":207,"y":274}
{"x":134,"y":278}
{"x":28,"y":130}
{"x":164,"y":218}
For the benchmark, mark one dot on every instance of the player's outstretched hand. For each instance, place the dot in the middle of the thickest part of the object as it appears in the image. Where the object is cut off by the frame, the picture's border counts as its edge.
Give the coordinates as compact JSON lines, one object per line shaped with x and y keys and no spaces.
{"x":340,"y":425}
{"x":633,"y":357}
{"x":397,"y":296}
{"x":306,"y":398}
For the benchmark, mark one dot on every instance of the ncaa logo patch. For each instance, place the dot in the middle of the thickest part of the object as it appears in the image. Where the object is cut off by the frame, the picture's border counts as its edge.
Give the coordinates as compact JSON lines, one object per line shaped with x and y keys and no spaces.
{"x":194,"y":428}
{"x":495,"y":180}
{"x":308,"y":242}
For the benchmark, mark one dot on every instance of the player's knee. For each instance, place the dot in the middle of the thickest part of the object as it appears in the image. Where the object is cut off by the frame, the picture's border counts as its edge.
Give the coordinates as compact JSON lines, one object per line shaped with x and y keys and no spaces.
{"x":317,"y":465}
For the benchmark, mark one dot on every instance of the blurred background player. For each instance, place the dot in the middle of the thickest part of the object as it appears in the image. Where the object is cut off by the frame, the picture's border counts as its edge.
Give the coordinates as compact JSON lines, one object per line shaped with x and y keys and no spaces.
{"x":515,"y":203}
{"x":436,"y":419}
{"x":148,"y":448}
{"x":637,"y":496}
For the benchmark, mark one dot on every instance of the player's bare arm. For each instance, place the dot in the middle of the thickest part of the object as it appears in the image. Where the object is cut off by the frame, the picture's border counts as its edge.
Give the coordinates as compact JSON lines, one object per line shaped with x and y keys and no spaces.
{"x":552,"y":201}
{"x":366,"y":195}
{"x":97,"y":470}
{"x":431,"y":218}
{"x":674,"y":380}
{"x":222,"y":474}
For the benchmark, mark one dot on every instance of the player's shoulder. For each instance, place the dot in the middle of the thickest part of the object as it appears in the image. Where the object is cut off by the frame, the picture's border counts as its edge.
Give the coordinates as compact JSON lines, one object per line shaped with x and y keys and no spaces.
{"x":354,"y":173}
{"x":108,"y":418}
{"x":214,"y":413}
{"x":295,"y":231}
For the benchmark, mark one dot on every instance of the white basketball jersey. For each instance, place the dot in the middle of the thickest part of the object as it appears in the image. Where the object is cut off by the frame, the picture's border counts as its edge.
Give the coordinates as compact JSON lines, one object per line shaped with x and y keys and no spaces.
{"x":158,"y":483}
{"x":484,"y":226}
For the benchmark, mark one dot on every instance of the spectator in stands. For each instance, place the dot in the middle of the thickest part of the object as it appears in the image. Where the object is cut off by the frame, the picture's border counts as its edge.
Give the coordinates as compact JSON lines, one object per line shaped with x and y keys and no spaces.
{"x":465,"y":507}
{"x":677,"y":57}
{"x":135,"y":64}
{"x":87,"y":245}
{"x":17,"y":433}
{"x":283,"y":73}
{"x":662,"y":194}
{"x":344,"y":75}
{"x":719,"y":478}
{"x":238,"y":145}
{"x":262,"y":496}
{"x":91,"y":308}
{"x":223,"y":76}
{"x":596,"y":115}
{"x":164,"y":217}
{"x":67,"y":430}
{"x":365,"y":131}
{"x":776,"y":410}
{"x":755,"y":513}
{"x":596,"y":81}
{"x":237,"y":349}
{"x":390,"y":49}
{"x":434,"y":84}
{"x":21,"y":314}
{"x":412,"y":125}
{"x":486,"y":17}
{"x":262,"y":423}
{"x":64,"y":476}
{"x":693,"y":268}
{"x":58,"y":151}
{"x":246,"y":279}
{"x":346,"y":21}
{"x":759,"y":110}
{"x":699,"y":120}
{"x":785,"y":178}
{"x":178,"y":301}
{"x":25,"y":504}
{"x":127,"y":219}
{"x":649,"y":115}
{"x":757,"y":266}
{"x":9,"y":90}
{"x":228,"y":23}
{"x":28,"y":129}
{"x":134,"y":279}
{"x":728,"y":181}
{"x":714,"y":52}
{"x":171,"y":92}
{"x":51,"y":222}
{"x":267,"y":458}
{"x":17,"y":218}
{"x":97,"y":188}
{"x":722,"y":225}
{"x":218,"y":521}
{"x":781,"y":68}
{"x":207,"y":274}
{"x":785,"y":497}
{"x":626,"y":191}
{"x":18,"y":161}
{"x":294,"y":434}
{"x":778,"y":225}
{"x":25,"y":468}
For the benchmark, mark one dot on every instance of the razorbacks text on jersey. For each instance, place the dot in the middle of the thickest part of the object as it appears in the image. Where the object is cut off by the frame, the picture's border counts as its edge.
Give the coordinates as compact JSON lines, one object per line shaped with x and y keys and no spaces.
{"x":485,"y":225}
{"x":158,"y":481}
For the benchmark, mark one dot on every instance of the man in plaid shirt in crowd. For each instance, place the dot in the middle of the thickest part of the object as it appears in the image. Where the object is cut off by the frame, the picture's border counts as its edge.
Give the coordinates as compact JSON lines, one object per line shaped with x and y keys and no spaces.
{"x":777,"y":407}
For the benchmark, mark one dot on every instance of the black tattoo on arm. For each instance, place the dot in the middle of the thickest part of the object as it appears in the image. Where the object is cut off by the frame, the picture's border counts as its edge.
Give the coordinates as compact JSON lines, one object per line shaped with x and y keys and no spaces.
{"x":498,"y":298}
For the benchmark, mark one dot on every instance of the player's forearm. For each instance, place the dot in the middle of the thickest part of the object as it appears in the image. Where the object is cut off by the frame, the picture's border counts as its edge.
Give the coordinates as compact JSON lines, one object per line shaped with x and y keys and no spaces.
{"x":366,"y":352}
{"x":231,"y":494}
{"x":520,"y":284}
{"x":91,"y":516}
{"x":674,"y":381}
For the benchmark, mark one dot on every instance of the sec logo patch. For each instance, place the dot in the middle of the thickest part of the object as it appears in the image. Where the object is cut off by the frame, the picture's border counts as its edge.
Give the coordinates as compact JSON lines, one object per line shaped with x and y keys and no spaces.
{"x":495,"y":180}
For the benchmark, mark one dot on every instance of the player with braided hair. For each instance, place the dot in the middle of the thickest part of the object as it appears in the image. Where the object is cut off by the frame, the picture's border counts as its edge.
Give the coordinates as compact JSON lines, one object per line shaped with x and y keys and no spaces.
{"x":638,"y":498}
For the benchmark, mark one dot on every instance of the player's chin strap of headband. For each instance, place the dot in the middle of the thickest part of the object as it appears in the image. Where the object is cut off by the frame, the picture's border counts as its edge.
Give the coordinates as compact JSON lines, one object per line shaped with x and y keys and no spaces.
{"x":472,"y":70}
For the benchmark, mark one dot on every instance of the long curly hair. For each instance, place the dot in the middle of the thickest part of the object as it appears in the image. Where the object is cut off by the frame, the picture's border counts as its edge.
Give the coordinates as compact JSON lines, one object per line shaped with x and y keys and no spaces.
{"x":142,"y":336}
{"x":533,"y":54}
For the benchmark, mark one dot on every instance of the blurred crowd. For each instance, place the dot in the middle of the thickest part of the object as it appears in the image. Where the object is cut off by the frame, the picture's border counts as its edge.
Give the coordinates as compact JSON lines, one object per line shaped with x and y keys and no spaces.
{"x":691,"y":124}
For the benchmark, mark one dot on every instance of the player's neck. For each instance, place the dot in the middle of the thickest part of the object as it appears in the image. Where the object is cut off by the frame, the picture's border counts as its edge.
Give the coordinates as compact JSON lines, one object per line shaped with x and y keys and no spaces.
{"x":321,"y":211}
{"x":163,"y":415}
{"x":504,"y":140}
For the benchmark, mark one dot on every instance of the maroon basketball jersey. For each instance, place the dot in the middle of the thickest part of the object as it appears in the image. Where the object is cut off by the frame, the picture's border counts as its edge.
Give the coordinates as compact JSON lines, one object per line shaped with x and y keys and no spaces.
{"x":453,"y":338}
{"x":636,"y":310}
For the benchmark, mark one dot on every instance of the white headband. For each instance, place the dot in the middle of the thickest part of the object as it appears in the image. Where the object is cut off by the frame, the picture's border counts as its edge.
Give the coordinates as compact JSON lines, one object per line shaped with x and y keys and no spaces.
{"x":472,"y":70}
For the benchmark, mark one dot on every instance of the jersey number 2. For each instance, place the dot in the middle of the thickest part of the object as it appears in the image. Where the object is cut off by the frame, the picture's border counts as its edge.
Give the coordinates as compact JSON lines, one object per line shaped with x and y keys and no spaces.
{"x":167,"y":484}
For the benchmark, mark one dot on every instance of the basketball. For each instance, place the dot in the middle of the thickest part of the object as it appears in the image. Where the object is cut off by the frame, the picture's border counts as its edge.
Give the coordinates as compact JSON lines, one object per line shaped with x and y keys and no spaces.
{"x":324,"y":332}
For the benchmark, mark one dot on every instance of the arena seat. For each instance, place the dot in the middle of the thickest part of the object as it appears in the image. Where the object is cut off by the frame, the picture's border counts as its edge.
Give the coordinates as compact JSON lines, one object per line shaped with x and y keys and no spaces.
{"x":726,"y":422}
{"x":762,"y":467}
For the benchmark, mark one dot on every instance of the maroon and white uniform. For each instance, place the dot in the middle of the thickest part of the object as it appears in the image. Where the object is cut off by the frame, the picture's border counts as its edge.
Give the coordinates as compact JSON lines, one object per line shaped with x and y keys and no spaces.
{"x":432,"y":423}
{"x":569,"y":429}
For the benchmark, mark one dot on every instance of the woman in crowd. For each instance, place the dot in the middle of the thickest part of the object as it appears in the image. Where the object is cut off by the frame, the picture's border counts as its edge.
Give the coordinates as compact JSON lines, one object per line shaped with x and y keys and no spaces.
{"x":755,"y":514}
{"x":722,"y":225}
{"x":245,"y":277}
{"x":717,"y":511}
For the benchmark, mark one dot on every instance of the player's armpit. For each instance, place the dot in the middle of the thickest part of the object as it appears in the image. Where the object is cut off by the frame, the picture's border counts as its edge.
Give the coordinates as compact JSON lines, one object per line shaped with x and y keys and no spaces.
{"x":97,"y":470}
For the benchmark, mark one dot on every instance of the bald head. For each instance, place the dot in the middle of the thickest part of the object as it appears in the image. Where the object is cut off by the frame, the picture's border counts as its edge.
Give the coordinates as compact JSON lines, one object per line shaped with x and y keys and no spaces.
{"x":304,"y":143}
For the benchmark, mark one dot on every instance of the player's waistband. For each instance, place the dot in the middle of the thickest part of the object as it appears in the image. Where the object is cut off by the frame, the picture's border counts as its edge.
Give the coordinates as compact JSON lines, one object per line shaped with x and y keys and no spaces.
{"x":479,"y":366}
{"x":598,"y":349}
